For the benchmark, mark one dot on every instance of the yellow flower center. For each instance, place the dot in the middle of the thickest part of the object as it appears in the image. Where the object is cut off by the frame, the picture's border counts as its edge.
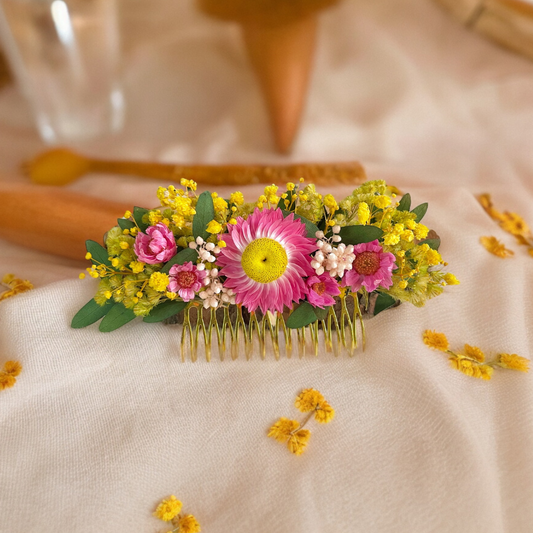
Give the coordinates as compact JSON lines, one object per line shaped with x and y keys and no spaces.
{"x":264,"y":260}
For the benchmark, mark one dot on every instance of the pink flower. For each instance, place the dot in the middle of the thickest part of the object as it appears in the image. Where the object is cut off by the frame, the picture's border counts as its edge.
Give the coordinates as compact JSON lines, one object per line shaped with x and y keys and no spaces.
{"x":157,"y":245}
{"x":266,"y":259}
{"x":372,"y":268}
{"x":321,"y":290}
{"x":186,"y":280}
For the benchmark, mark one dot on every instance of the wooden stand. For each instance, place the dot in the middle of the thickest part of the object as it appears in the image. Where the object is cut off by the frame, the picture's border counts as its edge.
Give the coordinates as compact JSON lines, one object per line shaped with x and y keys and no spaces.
{"x":280,"y":38}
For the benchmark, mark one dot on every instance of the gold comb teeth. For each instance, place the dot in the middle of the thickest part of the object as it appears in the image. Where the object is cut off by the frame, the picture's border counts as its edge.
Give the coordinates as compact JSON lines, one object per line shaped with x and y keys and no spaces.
{"x":292,"y":272}
{"x":233,"y":331}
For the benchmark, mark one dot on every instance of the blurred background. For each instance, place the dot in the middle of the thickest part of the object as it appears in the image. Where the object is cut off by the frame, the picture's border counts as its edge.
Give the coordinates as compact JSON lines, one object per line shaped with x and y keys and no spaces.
{"x":389,"y":81}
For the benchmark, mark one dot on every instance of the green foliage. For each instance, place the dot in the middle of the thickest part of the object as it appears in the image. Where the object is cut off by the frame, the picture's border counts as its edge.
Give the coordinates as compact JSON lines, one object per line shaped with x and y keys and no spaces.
{"x":205,"y":212}
{"x":420,"y":211}
{"x":432,"y":243}
{"x":302,"y":316}
{"x":125,"y":223}
{"x":98,"y":252}
{"x":165,"y":310}
{"x":383,"y":301}
{"x":90,"y":313}
{"x":405,"y":203}
{"x":312,"y":208}
{"x":138,"y":215}
{"x":360,"y":234}
{"x":320,"y":313}
{"x":117,"y":316}
{"x":290,"y":195}
{"x":309,"y":226}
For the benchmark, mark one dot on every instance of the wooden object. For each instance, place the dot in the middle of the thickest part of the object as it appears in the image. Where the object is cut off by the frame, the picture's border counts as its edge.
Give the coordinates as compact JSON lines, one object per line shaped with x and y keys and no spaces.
{"x":5,"y":73}
{"x":508,"y":22}
{"x":282,"y":58}
{"x":54,"y":220}
{"x":61,"y":166}
{"x":280,"y":40}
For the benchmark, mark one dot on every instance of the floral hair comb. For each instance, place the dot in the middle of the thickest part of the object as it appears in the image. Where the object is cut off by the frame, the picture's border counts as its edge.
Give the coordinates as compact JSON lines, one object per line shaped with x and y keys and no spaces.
{"x":254,"y":272}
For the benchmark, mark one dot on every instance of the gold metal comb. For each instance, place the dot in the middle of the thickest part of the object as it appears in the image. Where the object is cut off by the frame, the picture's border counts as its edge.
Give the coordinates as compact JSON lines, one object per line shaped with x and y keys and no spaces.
{"x":232,"y":331}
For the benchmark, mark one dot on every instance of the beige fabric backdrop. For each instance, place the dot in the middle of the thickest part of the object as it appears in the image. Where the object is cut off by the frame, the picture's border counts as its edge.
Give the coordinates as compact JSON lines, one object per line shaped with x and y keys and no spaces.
{"x":99,"y":427}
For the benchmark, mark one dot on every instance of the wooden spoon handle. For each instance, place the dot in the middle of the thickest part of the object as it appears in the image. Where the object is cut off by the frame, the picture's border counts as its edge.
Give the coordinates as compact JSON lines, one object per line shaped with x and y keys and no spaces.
{"x":53,"y":220}
{"x":238,"y":175}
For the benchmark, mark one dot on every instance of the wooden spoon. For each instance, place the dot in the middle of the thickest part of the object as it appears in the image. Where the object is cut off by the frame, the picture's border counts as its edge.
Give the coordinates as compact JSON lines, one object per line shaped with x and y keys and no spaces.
{"x":61,"y":166}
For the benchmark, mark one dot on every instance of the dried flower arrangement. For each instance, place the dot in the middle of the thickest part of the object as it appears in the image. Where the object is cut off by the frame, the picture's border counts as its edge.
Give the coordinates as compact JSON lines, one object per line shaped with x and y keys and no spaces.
{"x":292,"y":261}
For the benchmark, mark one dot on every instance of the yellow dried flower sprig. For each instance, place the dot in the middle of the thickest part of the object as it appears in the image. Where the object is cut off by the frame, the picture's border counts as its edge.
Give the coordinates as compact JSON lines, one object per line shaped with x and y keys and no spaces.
{"x":291,"y":432}
{"x":512,"y":223}
{"x":472,"y":362}
{"x":495,"y":247}
{"x":13,"y":286}
{"x":169,"y":511}
{"x":9,"y":374}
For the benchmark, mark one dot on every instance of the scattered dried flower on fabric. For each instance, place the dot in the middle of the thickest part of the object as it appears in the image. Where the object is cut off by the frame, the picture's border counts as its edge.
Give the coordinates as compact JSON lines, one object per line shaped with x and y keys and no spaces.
{"x":291,"y":432}
{"x":324,"y":413}
{"x":14,"y":286}
{"x":188,"y":524}
{"x":512,"y":223}
{"x":9,"y":374}
{"x":436,"y":341}
{"x":308,"y":400}
{"x":514,"y":362}
{"x":282,"y":429}
{"x":298,"y":441}
{"x":168,"y":509}
{"x":473,"y":362}
{"x":495,"y":247}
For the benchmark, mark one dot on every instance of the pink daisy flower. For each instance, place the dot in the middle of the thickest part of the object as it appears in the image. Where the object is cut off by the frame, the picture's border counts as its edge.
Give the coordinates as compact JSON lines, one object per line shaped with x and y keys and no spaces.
{"x":186,"y":280}
{"x":157,"y":245}
{"x":265,"y":260}
{"x":321,"y":290}
{"x":372,"y":268}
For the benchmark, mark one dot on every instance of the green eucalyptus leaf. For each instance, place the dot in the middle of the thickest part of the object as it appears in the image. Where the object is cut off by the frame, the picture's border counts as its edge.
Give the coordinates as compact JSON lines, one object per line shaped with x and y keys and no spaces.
{"x":309,"y":226}
{"x":165,"y":310}
{"x":98,"y":252}
{"x":432,"y":243}
{"x":420,"y":211}
{"x":90,"y":313}
{"x":281,"y":203}
{"x":138,"y":213}
{"x":405,"y":203}
{"x":383,"y":301}
{"x":125,"y":223}
{"x":320,"y":313}
{"x":360,"y":234}
{"x":183,"y":256}
{"x":205,"y":212}
{"x":117,"y":316}
{"x":302,"y":316}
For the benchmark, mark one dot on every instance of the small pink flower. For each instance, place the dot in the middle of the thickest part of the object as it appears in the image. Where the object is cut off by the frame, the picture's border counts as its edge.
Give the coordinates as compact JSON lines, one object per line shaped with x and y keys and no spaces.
{"x":186,"y":280}
{"x":321,"y":290}
{"x":157,"y":245}
{"x":372,"y":268}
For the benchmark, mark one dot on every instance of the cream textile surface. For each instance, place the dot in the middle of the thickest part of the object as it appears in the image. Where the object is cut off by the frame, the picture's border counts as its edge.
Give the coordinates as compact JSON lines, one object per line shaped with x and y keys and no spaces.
{"x":100,"y":427}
